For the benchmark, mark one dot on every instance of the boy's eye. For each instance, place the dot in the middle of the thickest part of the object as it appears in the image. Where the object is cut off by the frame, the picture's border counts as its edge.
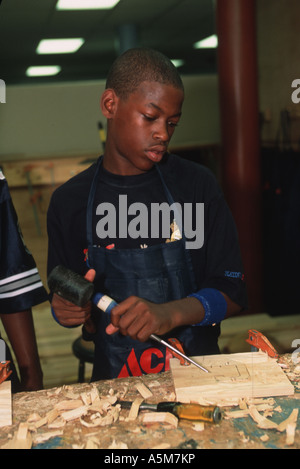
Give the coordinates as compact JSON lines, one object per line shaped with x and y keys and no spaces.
{"x":149,"y":118}
{"x":153,"y":118}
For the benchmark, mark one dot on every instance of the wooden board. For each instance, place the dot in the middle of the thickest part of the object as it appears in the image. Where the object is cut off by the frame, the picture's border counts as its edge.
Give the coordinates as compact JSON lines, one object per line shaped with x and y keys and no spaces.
{"x":5,"y":404}
{"x":230,"y":378}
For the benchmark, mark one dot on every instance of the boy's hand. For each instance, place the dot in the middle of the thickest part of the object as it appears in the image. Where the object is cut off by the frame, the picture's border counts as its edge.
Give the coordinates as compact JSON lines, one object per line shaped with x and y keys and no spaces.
{"x":68,"y":314}
{"x":140,"y":318}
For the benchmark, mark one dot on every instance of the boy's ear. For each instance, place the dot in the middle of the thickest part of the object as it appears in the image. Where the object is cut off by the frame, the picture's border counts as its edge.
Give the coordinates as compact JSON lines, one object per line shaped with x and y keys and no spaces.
{"x":109,"y":101}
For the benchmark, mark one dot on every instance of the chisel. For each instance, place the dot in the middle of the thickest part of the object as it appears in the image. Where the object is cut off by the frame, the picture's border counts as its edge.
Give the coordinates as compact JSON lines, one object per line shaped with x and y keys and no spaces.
{"x":195,"y":412}
{"x":166,"y":344}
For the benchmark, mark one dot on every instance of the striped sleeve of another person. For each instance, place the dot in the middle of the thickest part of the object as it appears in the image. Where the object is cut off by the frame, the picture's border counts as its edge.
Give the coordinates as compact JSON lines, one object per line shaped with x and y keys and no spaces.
{"x":21,"y":286}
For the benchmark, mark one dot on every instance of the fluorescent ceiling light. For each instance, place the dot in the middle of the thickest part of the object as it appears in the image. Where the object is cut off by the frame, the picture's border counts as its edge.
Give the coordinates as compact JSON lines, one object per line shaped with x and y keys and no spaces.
{"x":210,"y":42}
{"x":43,"y":71}
{"x":85,"y":4}
{"x":177,"y":62}
{"x":59,"y":46}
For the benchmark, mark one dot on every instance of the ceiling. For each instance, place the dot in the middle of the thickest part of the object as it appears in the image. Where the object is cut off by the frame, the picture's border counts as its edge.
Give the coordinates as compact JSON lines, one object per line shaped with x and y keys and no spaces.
{"x":171,"y":26}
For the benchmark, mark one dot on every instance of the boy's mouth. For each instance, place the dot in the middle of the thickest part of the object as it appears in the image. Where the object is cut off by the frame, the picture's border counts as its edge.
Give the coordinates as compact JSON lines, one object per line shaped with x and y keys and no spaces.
{"x":156,"y":153}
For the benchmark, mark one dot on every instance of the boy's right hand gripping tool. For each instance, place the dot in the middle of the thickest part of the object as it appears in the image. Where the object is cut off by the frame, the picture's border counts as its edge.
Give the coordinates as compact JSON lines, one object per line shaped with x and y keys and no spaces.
{"x":76,"y":289}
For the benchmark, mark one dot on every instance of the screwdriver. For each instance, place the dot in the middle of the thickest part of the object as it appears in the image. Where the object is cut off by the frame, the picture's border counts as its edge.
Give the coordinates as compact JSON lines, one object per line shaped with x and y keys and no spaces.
{"x":210,"y":413}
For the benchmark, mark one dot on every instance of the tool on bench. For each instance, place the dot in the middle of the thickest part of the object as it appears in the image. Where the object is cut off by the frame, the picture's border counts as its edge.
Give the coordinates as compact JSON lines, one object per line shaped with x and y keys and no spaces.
{"x":76,"y":289}
{"x":259,"y":342}
{"x":195,"y":412}
{"x":5,"y":371}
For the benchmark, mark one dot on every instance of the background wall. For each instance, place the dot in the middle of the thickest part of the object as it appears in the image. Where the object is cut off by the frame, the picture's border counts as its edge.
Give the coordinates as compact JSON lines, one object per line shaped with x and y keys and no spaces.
{"x":61,"y":120}
{"x":278,"y":63}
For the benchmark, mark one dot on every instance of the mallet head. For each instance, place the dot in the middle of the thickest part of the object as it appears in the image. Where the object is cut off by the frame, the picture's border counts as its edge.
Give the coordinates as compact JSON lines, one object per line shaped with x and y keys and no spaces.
{"x":70,"y":285}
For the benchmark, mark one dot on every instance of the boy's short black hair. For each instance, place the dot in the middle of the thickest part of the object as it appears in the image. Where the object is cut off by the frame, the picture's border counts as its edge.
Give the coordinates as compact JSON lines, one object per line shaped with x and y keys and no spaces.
{"x":134,"y":66}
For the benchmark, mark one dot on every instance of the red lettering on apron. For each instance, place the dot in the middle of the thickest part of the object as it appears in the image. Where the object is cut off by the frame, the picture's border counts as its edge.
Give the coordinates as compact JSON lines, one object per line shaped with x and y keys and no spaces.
{"x":146,"y":359}
{"x":133,"y":366}
{"x":124,"y":372}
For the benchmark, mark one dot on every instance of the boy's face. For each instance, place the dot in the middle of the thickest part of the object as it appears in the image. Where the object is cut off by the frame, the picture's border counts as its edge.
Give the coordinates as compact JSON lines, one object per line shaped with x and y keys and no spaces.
{"x":140,"y":127}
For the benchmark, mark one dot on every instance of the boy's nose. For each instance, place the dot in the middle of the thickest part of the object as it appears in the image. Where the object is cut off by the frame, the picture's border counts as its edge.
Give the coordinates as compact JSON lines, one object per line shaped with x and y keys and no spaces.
{"x":161,"y":133}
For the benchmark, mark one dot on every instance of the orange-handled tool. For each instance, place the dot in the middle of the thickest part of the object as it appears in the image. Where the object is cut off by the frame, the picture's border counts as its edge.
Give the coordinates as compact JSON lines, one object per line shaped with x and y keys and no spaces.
{"x":195,"y":412}
{"x":259,"y":342}
{"x":5,"y":371}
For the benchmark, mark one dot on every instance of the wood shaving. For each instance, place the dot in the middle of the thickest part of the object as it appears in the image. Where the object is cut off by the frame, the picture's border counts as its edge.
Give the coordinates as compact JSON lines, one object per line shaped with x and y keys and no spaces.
{"x":262,"y":422}
{"x":118,"y":445}
{"x":143,"y":390}
{"x":290,"y":433}
{"x":290,"y":420}
{"x":160,"y":417}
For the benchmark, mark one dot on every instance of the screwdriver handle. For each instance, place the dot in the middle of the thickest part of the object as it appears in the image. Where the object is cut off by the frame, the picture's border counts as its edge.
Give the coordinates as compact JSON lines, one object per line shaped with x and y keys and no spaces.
{"x":194,"y":412}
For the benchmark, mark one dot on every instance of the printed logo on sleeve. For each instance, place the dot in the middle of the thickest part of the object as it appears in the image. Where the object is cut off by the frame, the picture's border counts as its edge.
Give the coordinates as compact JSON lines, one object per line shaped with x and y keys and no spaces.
{"x":230,"y":274}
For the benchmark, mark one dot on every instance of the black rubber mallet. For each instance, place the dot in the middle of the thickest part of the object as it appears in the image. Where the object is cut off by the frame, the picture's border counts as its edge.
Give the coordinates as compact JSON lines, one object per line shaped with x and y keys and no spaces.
{"x":76,"y":289}
{"x":70,"y":285}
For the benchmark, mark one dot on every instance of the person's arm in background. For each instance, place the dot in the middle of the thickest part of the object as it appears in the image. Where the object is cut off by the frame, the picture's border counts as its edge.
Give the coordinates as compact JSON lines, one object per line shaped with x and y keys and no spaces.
{"x":20,"y":331}
{"x":21,"y":289}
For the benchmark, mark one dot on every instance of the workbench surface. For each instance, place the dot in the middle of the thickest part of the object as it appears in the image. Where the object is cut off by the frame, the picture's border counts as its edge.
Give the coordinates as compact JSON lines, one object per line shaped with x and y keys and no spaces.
{"x":83,"y":433}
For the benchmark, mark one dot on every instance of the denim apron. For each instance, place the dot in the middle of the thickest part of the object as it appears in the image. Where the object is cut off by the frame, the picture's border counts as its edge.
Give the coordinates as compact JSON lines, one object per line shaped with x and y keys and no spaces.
{"x":158,"y":273}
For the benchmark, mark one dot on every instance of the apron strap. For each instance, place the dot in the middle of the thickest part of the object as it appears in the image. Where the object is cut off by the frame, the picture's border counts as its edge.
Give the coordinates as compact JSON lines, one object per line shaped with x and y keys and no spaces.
{"x":177,"y":213}
{"x":178,"y":218}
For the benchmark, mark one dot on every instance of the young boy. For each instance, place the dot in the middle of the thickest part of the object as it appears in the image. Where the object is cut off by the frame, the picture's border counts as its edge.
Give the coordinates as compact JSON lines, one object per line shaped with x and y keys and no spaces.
{"x":20,"y":289}
{"x":109,"y":224}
